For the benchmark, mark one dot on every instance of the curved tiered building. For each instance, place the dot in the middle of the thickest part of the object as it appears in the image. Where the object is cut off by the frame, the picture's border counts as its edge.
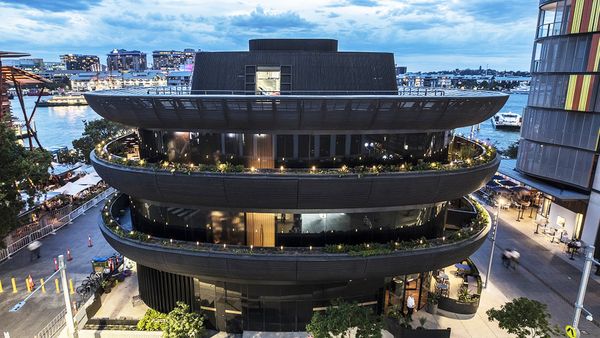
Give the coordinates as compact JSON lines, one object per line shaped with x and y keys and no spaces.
{"x":290,"y":175}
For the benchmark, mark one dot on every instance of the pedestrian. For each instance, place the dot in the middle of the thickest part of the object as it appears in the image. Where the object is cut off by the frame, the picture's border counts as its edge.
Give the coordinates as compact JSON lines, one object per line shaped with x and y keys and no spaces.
{"x":515,"y":255}
{"x":410,"y":305}
{"x":506,"y":257}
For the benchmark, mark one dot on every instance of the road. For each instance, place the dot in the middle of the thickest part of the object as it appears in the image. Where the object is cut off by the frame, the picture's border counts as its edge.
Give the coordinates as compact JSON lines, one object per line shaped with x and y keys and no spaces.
{"x":42,"y":307}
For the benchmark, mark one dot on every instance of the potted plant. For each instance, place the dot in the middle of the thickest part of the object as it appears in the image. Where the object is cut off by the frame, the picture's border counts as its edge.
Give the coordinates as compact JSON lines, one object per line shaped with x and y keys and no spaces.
{"x":106,"y":286}
{"x":432,"y":302}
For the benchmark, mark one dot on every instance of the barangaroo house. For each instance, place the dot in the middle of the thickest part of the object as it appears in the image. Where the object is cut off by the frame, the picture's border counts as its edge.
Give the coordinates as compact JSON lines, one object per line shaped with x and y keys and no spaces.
{"x":290,"y":175}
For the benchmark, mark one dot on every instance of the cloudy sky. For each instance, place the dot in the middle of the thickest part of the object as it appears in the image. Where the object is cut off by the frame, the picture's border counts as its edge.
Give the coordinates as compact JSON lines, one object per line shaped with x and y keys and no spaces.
{"x":423,"y":34}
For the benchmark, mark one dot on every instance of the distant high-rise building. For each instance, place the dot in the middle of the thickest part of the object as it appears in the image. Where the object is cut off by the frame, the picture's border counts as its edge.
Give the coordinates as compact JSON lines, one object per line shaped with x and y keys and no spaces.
{"x":121,"y":59}
{"x":559,"y":148}
{"x":89,"y":63}
{"x":172,"y":59}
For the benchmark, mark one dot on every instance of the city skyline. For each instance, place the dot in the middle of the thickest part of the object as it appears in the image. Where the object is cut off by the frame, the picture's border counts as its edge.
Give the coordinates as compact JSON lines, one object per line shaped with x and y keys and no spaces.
{"x":424,"y":35}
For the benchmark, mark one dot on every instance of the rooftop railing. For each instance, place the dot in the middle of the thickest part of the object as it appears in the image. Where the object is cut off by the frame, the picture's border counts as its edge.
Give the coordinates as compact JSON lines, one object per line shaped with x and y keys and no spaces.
{"x":187,"y":91}
{"x":479,"y":223}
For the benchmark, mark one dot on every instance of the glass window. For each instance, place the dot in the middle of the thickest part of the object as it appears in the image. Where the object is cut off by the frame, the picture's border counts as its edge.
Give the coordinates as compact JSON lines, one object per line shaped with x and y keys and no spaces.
{"x":324,"y":145}
{"x":268,"y":80}
{"x":340,"y":145}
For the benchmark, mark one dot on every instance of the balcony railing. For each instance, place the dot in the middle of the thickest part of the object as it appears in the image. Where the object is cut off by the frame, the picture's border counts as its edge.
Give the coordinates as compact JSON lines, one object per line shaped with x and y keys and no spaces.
{"x":483,"y":154}
{"x":187,"y":91}
{"x":480,"y":222}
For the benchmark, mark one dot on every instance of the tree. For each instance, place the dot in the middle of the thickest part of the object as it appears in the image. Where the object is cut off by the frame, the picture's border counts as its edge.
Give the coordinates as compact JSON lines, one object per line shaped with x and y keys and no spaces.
{"x":340,"y":317}
{"x":94,"y":132}
{"x":512,"y":150}
{"x":67,"y":156}
{"x":20,"y":170}
{"x":524,"y":317}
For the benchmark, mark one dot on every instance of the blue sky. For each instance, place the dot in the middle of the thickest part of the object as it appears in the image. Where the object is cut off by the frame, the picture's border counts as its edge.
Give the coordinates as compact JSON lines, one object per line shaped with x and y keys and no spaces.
{"x":423,"y":34}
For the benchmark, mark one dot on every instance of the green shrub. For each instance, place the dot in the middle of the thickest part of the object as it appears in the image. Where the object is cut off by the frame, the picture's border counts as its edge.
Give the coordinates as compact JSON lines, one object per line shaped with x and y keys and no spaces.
{"x":153,"y":321}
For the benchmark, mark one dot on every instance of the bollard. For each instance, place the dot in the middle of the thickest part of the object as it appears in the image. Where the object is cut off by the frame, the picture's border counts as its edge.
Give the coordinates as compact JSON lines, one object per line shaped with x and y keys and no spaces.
{"x":43,"y":285}
{"x":14,"y":284}
{"x":56,"y":283}
{"x":27,"y":284}
{"x":90,"y":244}
{"x":69,"y":257}
{"x":1,"y":289}
{"x":71,"y":286}
{"x":55,"y":264}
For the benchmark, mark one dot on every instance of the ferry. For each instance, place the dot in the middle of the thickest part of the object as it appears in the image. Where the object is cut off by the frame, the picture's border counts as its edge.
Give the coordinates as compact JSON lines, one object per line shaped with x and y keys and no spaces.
{"x":523,"y":88}
{"x":64,"y":100}
{"x":508,"y":120}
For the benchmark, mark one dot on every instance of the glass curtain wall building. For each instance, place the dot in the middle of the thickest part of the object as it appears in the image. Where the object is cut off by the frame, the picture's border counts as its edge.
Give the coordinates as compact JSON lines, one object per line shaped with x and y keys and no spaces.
{"x":241,"y":193}
{"x":561,"y":125}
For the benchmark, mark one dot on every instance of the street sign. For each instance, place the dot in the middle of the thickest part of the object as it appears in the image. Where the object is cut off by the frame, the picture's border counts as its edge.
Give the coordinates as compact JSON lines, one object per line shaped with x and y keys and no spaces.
{"x":571,"y":331}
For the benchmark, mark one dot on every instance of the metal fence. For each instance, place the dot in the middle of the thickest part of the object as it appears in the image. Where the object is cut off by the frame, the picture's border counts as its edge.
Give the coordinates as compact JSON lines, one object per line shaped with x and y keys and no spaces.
{"x":15,"y":246}
{"x":54,"y":327}
{"x":186,"y":90}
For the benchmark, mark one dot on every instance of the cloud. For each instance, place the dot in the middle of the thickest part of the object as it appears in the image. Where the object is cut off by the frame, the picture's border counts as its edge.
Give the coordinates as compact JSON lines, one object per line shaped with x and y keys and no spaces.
{"x":423,"y":34}
{"x":54,"y":5}
{"x":261,"y":20}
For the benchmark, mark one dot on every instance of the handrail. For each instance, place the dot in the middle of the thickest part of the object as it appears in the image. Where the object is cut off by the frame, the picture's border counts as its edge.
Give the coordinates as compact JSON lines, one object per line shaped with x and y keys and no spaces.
{"x":480,"y":222}
{"x":486,"y":155}
{"x":53,"y":328}
{"x":21,"y":243}
{"x":186,"y":90}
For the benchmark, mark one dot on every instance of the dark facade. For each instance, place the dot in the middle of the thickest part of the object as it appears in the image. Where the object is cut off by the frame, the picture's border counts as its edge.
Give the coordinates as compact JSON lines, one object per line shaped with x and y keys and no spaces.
{"x":293,"y":131}
{"x":561,"y":123}
{"x":88,"y":63}
{"x":124,"y":60}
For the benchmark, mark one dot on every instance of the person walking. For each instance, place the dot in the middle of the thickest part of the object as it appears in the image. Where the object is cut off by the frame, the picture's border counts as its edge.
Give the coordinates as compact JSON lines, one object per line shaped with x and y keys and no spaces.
{"x":506,"y":258}
{"x":515,"y":255}
{"x":410,"y":305}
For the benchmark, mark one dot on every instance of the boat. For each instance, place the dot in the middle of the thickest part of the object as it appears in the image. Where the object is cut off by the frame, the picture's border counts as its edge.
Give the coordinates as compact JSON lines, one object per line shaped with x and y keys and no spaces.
{"x":522,"y":88}
{"x":64,"y":100}
{"x":508,"y":120}
{"x":36,"y":92}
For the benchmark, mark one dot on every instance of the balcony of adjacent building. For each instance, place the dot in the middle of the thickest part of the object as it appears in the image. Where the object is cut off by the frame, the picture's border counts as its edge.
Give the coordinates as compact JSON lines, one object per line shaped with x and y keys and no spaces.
{"x":238,"y":250}
{"x":383,"y":173}
{"x":409,"y":109}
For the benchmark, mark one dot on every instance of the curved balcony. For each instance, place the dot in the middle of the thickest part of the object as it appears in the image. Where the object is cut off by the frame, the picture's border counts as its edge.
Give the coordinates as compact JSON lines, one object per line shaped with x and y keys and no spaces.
{"x":296,"y":112}
{"x":342,"y":190}
{"x":292,"y":265}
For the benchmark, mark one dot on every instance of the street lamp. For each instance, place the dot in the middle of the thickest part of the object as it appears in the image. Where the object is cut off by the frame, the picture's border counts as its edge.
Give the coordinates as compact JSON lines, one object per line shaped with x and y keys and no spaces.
{"x":585,"y":276}
{"x":62,"y":269}
{"x":499,"y":202}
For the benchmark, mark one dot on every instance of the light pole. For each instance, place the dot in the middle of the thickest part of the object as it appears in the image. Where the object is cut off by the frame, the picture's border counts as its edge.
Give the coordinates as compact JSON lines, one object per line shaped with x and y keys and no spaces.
{"x":585,"y":276}
{"x":499,"y":203}
{"x":62,"y":269}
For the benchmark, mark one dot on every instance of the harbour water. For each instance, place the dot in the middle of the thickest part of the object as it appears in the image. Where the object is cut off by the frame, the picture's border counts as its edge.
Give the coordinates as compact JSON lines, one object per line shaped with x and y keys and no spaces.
{"x":59,"y":126}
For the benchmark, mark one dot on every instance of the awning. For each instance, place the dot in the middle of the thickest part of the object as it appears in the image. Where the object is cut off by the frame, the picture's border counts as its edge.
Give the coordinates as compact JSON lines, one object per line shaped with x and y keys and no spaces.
{"x":88,"y":180}
{"x":507,"y":167}
{"x":71,"y":189}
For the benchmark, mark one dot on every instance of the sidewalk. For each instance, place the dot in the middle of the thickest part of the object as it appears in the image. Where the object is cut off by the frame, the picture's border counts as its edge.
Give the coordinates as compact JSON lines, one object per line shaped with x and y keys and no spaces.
{"x":546,"y":274}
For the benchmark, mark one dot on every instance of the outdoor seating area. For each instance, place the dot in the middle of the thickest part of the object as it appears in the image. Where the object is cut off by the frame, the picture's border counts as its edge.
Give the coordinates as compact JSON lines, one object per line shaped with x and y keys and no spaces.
{"x":458,"y":288}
